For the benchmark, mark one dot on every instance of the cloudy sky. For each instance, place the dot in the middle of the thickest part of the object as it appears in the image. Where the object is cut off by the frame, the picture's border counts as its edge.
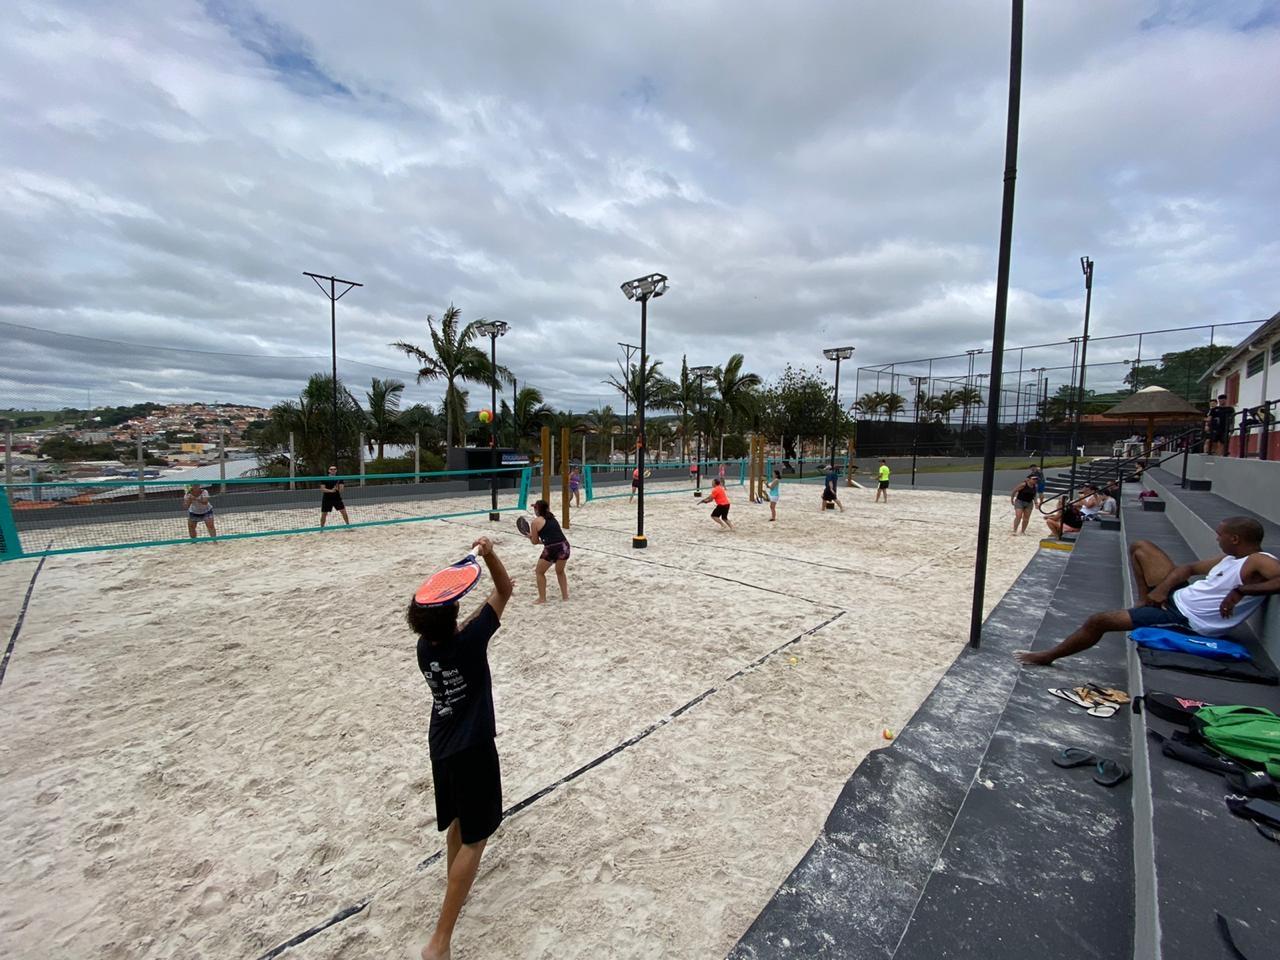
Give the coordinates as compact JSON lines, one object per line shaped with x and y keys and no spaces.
{"x":807,"y":174}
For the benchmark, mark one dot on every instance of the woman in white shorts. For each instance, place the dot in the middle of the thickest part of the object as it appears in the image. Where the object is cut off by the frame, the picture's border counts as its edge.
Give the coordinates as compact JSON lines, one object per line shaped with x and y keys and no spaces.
{"x":198,"y":507}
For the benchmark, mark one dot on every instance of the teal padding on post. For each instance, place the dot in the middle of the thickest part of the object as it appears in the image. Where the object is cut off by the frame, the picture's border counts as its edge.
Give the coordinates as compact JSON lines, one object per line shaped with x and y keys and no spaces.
{"x":525,"y":475}
{"x":587,"y":485}
{"x":742,"y":472}
{"x":10,"y":545}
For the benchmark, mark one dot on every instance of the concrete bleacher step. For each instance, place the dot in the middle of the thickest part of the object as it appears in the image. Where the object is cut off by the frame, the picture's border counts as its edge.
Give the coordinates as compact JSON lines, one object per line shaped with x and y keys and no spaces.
{"x":1039,"y":862}
{"x":853,"y":893}
{"x":1194,"y":859}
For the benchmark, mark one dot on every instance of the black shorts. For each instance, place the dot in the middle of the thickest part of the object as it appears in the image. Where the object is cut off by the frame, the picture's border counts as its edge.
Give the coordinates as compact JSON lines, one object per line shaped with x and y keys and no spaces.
{"x":721,"y":511}
{"x":884,"y":484}
{"x":555,"y":552}
{"x":468,"y":787}
{"x":331,"y":501}
{"x":828,"y":493}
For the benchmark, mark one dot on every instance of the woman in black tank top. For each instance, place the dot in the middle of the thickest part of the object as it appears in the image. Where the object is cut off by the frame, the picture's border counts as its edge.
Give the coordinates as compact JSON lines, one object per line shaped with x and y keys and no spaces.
{"x":1022,"y":497}
{"x":545,"y":530}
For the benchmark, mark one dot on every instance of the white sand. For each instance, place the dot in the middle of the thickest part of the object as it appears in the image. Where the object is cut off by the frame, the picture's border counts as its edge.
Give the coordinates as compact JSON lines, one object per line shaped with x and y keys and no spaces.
{"x":211,"y":749}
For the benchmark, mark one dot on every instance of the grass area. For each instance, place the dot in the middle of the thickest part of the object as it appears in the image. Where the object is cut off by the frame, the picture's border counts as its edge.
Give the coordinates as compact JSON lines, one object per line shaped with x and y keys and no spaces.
{"x":1002,"y":463}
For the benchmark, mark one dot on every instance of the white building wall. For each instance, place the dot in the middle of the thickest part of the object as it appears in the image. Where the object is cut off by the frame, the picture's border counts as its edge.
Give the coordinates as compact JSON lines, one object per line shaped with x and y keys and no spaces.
{"x":1262,"y":386}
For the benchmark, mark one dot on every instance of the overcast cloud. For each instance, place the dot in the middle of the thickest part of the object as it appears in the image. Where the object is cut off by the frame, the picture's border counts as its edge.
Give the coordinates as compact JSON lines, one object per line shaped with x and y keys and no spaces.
{"x":808,"y":175}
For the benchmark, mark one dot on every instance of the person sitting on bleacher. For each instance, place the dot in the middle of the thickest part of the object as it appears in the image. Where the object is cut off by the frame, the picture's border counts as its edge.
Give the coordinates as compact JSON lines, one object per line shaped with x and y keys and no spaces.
{"x":1066,"y":519}
{"x":1234,"y":586}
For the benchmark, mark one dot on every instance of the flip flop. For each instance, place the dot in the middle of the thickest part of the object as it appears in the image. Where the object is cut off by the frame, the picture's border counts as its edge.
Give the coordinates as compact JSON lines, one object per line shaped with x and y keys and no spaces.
{"x":1070,"y":696}
{"x":1109,"y":693}
{"x":1103,"y":710}
{"x":1109,"y":773}
{"x":1074,"y":757}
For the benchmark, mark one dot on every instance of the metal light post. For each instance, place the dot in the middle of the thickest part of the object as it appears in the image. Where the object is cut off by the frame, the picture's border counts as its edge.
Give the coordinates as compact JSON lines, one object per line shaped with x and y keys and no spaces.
{"x":493,"y":329}
{"x":643,"y":289}
{"x":701,"y":373}
{"x":998,"y":326}
{"x":1044,"y":416}
{"x":968,"y":386}
{"x":837,"y":354}
{"x":334,"y":297}
{"x":1087,"y":266}
{"x":916,"y":383}
{"x":630,"y":349}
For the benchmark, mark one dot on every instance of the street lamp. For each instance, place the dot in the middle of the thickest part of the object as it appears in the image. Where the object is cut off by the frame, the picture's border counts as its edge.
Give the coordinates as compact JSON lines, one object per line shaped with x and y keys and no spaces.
{"x":916,"y":383}
{"x":493,"y":329}
{"x":1086,"y":265}
{"x":968,"y":386}
{"x":837,"y":354}
{"x":701,"y":373}
{"x":629,"y":349}
{"x":643,"y":289}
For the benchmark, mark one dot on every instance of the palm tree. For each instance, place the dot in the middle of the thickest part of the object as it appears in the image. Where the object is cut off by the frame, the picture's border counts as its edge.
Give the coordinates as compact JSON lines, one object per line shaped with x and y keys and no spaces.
{"x":967,"y":397}
{"x":453,"y":358}
{"x":658,"y":390}
{"x":384,"y":413}
{"x":684,"y":400}
{"x":893,"y":403}
{"x":604,"y":424}
{"x":868,"y":403}
{"x":529,"y":413}
{"x":310,"y":420}
{"x":736,"y":393}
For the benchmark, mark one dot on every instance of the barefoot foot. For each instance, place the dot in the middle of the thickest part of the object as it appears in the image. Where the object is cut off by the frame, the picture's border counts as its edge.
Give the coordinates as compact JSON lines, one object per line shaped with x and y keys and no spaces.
{"x":431,"y":953}
{"x":1033,"y":659}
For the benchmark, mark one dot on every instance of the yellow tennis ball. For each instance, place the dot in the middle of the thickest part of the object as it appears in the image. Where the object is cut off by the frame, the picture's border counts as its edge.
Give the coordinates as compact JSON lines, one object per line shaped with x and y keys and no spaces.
{"x":486,"y":416}
{"x":793,"y":660}
{"x":887,"y":733}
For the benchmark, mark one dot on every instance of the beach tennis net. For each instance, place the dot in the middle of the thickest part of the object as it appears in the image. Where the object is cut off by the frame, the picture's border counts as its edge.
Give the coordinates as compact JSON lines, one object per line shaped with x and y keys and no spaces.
{"x":79,"y":515}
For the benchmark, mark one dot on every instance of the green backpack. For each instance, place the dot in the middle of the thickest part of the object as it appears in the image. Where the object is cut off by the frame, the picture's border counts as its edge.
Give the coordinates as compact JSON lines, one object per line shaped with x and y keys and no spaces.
{"x":1251,"y":734}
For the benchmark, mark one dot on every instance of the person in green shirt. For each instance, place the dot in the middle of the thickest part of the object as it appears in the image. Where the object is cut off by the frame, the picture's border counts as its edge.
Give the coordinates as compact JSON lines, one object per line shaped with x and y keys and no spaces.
{"x":882,"y":489}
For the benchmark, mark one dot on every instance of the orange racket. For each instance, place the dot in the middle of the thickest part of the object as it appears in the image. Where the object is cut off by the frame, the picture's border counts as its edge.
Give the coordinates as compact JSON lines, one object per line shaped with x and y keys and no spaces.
{"x":449,"y":585}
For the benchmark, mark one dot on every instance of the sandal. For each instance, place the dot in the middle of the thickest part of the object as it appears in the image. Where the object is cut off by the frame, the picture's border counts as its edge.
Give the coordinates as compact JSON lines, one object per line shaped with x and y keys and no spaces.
{"x":1073,"y":757}
{"x":1109,"y":773}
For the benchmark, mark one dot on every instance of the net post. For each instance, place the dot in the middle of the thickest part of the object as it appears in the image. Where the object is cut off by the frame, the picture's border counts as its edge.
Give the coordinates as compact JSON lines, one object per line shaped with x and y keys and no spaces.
{"x":525,"y":475}
{"x":586,"y":482}
{"x":8,"y":455}
{"x":293,"y":465}
{"x":564,"y":474}
{"x":417,"y":457}
{"x":142,"y":490}
{"x":222,"y":461}
{"x":10,"y":545}
{"x":546,"y":464}
{"x":360,"y":451}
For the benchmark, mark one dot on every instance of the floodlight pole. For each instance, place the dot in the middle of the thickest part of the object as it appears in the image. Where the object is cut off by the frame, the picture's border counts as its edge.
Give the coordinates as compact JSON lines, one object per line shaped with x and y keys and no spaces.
{"x":334,"y":297}
{"x":837,"y":354}
{"x":997,"y":333}
{"x":1087,"y":266}
{"x":642,"y":289}
{"x":915,"y":431}
{"x":493,"y":330}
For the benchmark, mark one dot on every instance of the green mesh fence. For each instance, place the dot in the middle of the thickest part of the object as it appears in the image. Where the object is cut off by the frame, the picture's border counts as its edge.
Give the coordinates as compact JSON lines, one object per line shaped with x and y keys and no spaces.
{"x":72,"y":516}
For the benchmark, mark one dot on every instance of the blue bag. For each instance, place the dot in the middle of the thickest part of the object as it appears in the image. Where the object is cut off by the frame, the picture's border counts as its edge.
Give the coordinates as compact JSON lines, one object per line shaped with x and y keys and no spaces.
{"x":1158,"y":638}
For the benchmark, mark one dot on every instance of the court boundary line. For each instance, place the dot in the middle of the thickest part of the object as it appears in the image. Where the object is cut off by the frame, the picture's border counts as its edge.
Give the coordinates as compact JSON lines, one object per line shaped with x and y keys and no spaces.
{"x":520,"y":805}
{"x":22,"y":617}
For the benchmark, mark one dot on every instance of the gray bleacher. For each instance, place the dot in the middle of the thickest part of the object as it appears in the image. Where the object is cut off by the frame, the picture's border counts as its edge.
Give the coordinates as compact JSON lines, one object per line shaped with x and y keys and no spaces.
{"x":962,"y":839}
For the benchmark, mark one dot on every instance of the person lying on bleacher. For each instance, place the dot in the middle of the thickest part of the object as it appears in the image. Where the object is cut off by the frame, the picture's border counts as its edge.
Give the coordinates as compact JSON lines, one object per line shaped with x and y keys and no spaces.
{"x":1235,"y":584}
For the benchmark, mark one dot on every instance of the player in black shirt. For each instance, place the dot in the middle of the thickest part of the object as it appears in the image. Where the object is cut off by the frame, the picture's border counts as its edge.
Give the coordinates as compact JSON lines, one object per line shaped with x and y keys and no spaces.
{"x":545,"y":530}
{"x":331,"y":497}
{"x":1221,"y":419}
{"x":464,"y":758}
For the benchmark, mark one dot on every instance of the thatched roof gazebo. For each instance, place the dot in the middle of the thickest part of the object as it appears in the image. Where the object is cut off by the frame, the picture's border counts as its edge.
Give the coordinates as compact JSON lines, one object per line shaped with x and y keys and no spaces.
{"x":1152,"y":404}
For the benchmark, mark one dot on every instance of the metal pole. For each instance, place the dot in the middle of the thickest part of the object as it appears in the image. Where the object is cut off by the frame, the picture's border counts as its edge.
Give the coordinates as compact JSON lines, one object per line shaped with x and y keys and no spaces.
{"x":638,"y":541}
{"x":142,"y":490}
{"x":8,"y":456}
{"x":493,"y":427}
{"x":417,"y":457}
{"x":293,"y":464}
{"x":1044,"y":436}
{"x":360,"y":455}
{"x":333,"y":343}
{"x":997,"y":335}
{"x":222,"y":461}
{"x":835,"y":410}
{"x":1087,"y":265}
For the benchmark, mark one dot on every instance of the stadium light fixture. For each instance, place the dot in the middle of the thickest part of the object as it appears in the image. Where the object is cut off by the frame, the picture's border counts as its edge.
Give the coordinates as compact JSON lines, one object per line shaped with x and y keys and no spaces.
{"x":643,"y":289}
{"x":837,"y":354}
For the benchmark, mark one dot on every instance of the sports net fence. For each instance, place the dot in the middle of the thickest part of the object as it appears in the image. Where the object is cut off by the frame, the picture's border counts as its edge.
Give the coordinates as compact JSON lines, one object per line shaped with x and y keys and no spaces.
{"x":71,"y":516}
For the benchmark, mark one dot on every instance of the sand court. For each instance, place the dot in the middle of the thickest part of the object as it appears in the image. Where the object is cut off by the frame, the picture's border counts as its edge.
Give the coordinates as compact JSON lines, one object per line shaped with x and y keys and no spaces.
{"x":213,"y":748}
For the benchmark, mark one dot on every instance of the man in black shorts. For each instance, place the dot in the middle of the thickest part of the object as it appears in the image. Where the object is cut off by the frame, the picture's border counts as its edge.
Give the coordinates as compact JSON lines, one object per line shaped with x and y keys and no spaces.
{"x":331,"y":497}
{"x":464,"y":758}
{"x":1221,"y":419}
{"x":830,"y":489}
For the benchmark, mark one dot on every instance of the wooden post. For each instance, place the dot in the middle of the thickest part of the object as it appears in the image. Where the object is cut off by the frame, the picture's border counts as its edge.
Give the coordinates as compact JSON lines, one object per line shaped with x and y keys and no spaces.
{"x":222,"y":461}
{"x":293,"y":465}
{"x":564,"y":476}
{"x":546,"y":464}
{"x":142,"y":490}
{"x":417,"y":457}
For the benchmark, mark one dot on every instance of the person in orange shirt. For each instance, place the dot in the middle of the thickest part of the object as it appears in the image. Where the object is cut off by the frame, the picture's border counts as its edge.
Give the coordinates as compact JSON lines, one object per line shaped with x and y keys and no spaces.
{"x":721,"y":496}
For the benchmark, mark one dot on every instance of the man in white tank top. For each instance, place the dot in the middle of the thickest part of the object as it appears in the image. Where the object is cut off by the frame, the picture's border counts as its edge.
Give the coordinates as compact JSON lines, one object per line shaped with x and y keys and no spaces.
{"x":1235,"y":584}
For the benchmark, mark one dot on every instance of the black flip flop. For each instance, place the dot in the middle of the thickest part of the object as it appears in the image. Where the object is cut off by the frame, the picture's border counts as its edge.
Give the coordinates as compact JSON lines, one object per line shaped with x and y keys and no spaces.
{"x":1074,"y":757}
{"x":1109,"y":773}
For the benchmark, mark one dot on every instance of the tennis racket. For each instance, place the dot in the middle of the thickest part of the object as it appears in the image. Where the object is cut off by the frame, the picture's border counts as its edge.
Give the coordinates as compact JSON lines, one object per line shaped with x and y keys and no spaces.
{"x":449,"y":585}
{"x":522,"y":524}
